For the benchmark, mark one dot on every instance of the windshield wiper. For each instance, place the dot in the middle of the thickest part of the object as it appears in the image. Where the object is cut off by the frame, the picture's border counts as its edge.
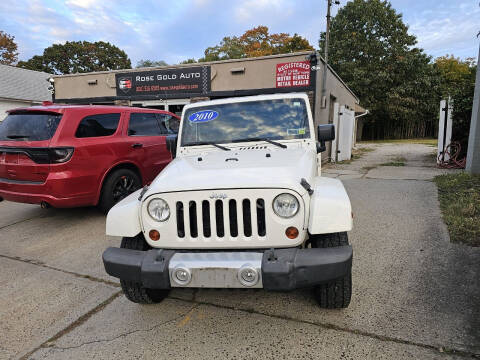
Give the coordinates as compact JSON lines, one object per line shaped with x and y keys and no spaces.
{"x":283,"y":146}
{"x":208,"y":143}
{"x":18,"y":136}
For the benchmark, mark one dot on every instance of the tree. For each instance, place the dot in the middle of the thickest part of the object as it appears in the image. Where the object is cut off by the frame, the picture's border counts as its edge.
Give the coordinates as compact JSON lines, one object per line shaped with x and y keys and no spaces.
{"x":229,"y":48}
{"x":372,"y":51}
{"x":188,"y":61}
{"x":150,"y":63}
{"x":78,"y":57}
{"x":457,"y":78}
{"x":8,"y":49}
{"x":256,"y":42}
{"x":453,"y":72}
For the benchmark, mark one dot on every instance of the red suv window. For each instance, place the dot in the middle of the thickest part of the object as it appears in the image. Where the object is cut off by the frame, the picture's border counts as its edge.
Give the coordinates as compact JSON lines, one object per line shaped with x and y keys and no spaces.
{"x":29,"y":126}
{"x":144,"y":124}
{"x":98,"y":125}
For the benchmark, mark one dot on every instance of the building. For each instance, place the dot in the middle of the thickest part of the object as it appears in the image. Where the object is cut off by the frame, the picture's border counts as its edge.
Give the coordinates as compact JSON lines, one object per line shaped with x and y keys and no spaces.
{"x":21,"y":87}
{"x":171,"y":87}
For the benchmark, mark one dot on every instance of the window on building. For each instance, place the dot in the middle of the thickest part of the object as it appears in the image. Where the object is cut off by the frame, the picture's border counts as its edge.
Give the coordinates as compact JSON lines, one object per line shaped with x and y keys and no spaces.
{"x":98,"y":125}
{"x":144,"y":124}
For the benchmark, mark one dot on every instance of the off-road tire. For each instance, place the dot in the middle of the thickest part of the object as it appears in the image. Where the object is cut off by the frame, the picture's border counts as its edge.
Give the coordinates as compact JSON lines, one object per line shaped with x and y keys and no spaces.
{"x":134,"y":291}
{"x":329,"y":240}
{"x":335,"y":294}
{"x":107,"y":196}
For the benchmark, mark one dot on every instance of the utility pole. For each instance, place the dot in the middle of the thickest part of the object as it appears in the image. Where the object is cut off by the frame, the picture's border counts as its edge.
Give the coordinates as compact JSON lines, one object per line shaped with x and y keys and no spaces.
{"x":473,"y":152}
{"x":325,"y":56}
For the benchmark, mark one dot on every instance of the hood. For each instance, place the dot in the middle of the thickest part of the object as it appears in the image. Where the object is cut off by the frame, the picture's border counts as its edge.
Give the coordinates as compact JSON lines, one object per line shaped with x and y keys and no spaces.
{"x":250,"y":168}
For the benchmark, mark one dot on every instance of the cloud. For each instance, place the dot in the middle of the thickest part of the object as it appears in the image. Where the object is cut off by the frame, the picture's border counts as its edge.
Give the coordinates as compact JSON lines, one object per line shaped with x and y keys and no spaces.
{"x":444,"y":27}
{"x":85,"y":4}
{"x":181,"y":29}
{"x":250,"y":9}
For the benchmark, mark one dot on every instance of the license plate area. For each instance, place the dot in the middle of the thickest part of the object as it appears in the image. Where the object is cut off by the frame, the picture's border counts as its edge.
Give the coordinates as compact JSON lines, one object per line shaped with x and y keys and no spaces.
{"x":216,"y":270}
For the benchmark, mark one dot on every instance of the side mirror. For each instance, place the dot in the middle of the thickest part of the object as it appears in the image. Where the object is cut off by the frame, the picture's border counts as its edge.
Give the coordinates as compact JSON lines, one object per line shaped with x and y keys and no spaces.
{"x":172,"y":144}
{"x":325,"y":132}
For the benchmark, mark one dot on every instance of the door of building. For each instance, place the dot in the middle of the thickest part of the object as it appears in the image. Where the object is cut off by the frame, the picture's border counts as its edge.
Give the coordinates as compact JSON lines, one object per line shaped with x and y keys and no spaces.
{"x":345,"y":133}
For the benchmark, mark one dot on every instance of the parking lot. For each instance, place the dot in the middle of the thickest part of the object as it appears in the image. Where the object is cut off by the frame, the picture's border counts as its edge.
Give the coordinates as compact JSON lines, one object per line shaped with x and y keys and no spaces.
{"x":415,"y":294}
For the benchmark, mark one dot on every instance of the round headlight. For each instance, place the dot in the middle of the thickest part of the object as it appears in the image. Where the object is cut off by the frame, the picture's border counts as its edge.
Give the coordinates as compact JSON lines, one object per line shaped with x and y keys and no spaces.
{"x":285,"y":205}
{"x":158,"y":209}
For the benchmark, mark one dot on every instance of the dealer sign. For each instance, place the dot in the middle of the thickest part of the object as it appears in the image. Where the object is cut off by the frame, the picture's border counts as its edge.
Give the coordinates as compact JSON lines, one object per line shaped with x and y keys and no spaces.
{"x":293,"y":74}
{"x":191,"y":80}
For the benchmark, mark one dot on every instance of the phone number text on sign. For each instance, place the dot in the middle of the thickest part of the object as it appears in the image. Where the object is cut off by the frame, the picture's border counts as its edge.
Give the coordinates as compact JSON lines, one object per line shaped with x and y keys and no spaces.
{"x":293,"y":74}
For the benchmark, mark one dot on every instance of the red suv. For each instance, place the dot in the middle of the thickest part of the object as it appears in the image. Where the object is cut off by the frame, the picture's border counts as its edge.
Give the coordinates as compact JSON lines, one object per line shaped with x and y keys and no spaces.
{"x":67,"y":155}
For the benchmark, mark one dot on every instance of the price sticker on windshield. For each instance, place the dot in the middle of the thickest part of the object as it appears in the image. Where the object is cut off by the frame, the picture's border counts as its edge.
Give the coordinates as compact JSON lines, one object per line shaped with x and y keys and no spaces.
{"x":203,"y":116}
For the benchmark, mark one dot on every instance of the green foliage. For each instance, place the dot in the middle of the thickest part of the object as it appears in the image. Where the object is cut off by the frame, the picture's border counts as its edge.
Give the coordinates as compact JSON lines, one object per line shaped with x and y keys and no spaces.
{"x":459,"y":196}
{"x":188,"y":61}
{"x":150,"y":63}
{"x":372,"y":51}
{"x":458,"y":81}
{"x":78,"y":57}
{"x":229,"y":48}
{"x":462,"y":109}
{"x":453,"y":72}
{"x":8,"y":49}
{"x":255,"y":42}
{"x":393,"y":163}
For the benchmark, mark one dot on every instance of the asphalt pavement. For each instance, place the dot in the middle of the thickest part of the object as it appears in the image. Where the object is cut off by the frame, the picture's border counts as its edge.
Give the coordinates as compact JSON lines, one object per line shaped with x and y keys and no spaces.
{"x":415,"y":294}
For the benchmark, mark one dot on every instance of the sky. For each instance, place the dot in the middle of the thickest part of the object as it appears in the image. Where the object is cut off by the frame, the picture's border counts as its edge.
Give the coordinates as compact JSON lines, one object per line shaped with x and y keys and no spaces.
{"x":175,"y":30}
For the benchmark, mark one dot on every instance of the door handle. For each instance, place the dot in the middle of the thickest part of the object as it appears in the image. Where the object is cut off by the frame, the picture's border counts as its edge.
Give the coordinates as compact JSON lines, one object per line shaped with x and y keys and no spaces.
{"x":137,"y":146}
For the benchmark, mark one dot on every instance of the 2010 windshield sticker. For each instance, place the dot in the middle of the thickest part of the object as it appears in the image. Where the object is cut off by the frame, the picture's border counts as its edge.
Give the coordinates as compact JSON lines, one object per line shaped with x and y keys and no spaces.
{"x":203,"y":116}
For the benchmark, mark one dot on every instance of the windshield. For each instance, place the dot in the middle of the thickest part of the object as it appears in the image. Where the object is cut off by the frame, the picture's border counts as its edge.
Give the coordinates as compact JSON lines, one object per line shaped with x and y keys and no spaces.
{"x":279,"y":119}
{"x":29,"y":126}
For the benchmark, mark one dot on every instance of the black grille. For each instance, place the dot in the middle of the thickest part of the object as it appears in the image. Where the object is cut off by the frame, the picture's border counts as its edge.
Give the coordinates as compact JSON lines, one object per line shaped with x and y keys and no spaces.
{"x":232,"y":212}
{"x":247,"y":218}
{"x":192,"y":208}
{"x":261,"y":226}
{"x":207,"y":228}
{"x":180,"y":221}
{"x":219,"y":218}
{"x":250,"y":211}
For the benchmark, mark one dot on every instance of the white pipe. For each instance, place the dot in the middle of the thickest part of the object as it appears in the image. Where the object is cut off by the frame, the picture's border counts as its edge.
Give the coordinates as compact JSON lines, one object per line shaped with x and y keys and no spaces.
{"x":365,"y":113}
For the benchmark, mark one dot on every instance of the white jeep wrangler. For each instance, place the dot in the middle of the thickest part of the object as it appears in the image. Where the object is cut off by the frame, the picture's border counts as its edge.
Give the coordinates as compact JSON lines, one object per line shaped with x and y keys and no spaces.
{"x":242,"y":205}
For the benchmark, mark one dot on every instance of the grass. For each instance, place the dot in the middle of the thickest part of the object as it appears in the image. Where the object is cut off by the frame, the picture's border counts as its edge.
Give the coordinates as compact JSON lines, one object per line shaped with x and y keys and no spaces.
{"x":356,"y":154}
{"x":426,"y":141}
{"x":459,"y":196}
{"x":393,"y":163}
{"x":397,"y":161}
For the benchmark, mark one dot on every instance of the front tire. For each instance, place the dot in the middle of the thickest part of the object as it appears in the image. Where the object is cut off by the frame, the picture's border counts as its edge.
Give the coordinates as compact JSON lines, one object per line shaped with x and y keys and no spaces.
{"x":135,"y":291}
{"x":335,"y":294}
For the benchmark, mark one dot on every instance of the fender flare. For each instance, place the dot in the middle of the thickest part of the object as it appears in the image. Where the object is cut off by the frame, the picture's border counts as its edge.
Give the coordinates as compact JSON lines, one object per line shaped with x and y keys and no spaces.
{"x":124,"y":218}
{"x":330,"y":208}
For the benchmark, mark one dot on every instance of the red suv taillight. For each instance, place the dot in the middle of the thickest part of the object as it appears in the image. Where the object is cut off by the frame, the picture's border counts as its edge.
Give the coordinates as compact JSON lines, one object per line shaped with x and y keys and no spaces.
{"x":60,"y":155}
{"x":42,"y":155}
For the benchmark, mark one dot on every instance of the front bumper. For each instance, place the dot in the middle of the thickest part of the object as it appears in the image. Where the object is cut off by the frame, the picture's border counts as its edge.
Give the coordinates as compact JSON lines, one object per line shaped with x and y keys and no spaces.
{"x":277,"y":269}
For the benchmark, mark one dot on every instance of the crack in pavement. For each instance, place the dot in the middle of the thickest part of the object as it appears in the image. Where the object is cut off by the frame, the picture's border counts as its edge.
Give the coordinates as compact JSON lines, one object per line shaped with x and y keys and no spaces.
{"x":21,"y":221}
{"x":441,"y":350}
{"x":128,"y":333}
{"x":82,"y":319}
{"x":39,"y":263}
